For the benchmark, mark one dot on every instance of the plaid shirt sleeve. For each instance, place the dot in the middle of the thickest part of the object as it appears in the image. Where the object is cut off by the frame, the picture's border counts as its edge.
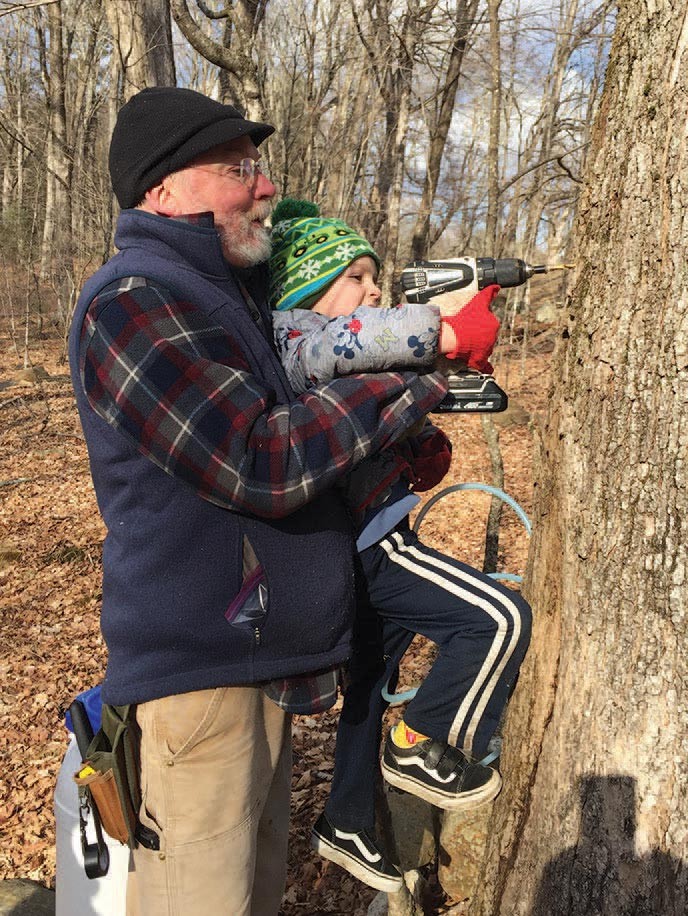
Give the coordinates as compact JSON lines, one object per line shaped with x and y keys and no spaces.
{"x":179,"y":388}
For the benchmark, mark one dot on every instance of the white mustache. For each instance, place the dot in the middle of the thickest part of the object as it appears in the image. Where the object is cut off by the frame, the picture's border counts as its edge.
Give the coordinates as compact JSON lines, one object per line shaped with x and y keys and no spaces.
{"x":261,"y":211}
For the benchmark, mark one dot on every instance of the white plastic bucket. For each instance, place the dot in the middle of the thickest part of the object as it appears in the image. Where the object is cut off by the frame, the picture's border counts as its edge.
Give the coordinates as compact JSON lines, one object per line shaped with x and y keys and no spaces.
{"x":77,"y":895}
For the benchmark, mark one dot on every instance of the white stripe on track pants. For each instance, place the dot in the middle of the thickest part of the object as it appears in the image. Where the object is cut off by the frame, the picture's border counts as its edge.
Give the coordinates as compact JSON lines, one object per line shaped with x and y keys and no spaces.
{"x":482,"y":631}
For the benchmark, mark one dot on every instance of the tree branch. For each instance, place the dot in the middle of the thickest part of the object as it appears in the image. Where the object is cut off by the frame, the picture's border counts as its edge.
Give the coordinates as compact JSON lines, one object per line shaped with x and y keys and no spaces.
{"x":13,"y":135}
{"x":565,"y":168}
{"x":210,"y":49}
{"x":212,"y":14}
{"x":19,"y":7}
{"x":531,"y":168}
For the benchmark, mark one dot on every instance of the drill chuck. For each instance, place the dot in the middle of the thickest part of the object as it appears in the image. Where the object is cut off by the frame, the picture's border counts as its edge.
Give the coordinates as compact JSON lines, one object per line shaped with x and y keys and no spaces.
{"x":505,"y":272}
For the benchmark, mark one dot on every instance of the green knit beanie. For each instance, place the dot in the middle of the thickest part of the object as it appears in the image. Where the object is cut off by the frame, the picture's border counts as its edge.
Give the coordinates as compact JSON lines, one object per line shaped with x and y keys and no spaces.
{"x":309,"y":252}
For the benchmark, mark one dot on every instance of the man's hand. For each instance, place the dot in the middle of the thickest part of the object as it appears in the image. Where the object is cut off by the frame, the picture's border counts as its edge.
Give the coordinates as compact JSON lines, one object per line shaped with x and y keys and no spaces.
{"x":474,"y":331}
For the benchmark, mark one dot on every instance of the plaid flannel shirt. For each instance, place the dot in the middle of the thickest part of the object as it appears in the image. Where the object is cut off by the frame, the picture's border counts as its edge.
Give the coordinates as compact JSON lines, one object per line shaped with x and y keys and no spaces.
{"x":178,"y":386}
{"x":307,"y":694}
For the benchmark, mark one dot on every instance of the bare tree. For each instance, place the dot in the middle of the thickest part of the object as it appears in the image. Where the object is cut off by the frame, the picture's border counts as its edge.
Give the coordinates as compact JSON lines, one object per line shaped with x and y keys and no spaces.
{"x":142,"y":37}
{"x":495,"y":66}
{"x":592,"y":818}
{"x":57,"y":221}
{"x":464,"y":21}
{"x":322,"y":114}
{"x":236,"y":53}
{"x":391,"y":39}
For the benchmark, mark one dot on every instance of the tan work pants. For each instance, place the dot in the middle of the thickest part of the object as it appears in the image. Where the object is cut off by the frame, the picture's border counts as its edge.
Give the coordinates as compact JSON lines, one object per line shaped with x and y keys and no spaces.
{"x":215,"y":780}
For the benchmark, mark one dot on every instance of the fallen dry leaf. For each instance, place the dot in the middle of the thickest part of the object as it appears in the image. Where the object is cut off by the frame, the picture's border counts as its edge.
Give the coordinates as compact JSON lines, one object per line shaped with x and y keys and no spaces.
{"x":50,"y":643}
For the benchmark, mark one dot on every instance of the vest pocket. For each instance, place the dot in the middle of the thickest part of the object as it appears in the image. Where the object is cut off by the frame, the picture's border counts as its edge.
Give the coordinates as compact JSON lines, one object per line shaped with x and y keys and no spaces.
{"x":250,"y":606}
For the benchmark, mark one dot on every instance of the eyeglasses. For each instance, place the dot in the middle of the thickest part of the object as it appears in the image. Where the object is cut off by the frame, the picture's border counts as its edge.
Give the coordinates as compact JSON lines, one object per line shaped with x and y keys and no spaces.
{"x":247,"y":172}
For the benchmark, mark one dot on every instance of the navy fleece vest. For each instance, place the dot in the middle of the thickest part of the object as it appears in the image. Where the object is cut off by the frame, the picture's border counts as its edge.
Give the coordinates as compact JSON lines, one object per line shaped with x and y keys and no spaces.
{"x":172,"y":562}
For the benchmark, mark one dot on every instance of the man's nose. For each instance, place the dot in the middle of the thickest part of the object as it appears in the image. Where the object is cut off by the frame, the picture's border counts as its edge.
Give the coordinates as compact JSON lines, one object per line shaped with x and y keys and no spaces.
{"x":264,"y":188}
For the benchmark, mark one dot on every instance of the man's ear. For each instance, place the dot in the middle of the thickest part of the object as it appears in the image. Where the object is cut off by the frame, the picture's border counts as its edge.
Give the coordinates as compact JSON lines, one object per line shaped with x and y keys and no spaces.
{"x":161,"y":198}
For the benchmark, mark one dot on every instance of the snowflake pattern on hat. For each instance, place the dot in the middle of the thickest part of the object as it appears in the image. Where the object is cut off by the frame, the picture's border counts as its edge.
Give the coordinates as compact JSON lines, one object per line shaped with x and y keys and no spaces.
{"x":309,"y":252}
{"x":346,"y":252}
{"x":308,"y":270}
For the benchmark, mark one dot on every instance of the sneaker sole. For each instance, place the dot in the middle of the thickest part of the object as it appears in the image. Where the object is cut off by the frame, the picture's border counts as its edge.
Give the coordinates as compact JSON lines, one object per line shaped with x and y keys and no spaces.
{"x":449,"y":801}
{"x":356,"y":868}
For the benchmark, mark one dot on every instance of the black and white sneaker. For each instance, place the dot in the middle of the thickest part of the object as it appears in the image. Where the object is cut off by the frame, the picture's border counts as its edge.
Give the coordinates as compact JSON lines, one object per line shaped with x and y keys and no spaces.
{"x":440,"y":774}
{"x":358,"y":853}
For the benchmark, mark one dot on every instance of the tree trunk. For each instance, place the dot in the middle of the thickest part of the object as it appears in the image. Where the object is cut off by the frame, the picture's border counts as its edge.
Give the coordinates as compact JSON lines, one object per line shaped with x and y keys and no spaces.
{"x":19,"y":191}
{"x":492,"y":217}
{"x":464,"y":21}
{"x":592,"y":819}
{"x":143,"y":40}
{"x":490,"y":433}
{"x":238,"y":59}
{"x":394,"y":200}
{"x":57,"y":225}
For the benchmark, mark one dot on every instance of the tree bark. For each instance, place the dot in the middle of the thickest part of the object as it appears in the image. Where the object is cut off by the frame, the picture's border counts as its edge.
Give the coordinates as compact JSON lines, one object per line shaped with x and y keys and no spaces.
{"x":592,"y":819}
{"x":142,"y":34}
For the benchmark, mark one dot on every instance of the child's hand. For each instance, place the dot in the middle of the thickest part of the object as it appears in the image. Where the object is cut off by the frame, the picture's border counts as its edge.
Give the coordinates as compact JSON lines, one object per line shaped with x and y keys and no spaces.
{"x":431,"y":461}
{"x":448,"y":366}
{"x":453,"y":302}
{"x":474,"y":331}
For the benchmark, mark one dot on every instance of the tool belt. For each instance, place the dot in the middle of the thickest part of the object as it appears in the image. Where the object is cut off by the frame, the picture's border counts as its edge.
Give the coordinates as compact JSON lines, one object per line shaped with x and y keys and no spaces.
{"x":110,"y":773}
{"x":109,"y":777}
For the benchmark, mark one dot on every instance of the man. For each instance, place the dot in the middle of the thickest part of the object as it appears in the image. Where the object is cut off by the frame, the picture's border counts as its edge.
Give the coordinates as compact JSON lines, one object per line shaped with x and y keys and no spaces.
{"x":228,"y":556}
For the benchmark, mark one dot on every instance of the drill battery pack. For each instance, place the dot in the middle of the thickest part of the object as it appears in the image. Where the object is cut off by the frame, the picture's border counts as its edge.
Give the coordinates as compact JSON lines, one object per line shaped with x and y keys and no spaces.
{"x":472,"y":392}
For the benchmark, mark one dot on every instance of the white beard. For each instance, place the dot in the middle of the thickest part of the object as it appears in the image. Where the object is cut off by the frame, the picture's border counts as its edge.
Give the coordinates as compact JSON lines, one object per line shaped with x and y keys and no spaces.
{"x":243,"y":242}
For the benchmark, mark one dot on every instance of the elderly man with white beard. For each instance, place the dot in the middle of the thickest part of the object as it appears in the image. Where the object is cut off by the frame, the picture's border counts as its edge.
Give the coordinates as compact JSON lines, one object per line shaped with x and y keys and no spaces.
{"x":228,"y":565}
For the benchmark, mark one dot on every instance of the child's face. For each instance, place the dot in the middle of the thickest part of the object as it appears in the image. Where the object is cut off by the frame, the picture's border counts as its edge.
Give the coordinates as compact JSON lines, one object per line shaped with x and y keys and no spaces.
{"x":356,"y":286}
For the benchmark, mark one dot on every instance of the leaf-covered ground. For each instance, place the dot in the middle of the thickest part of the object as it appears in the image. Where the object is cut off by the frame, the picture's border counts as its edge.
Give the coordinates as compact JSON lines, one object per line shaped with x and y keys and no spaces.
{"x":50,"y":643}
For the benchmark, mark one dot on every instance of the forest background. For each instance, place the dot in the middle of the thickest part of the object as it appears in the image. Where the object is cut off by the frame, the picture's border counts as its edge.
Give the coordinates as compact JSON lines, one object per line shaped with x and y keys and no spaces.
{"x":437,"y":128}
{"x":447,"y":128}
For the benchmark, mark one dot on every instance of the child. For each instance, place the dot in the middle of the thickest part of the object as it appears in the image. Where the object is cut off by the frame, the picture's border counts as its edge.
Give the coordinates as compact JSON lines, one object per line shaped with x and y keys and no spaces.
{"x":326,"y":323}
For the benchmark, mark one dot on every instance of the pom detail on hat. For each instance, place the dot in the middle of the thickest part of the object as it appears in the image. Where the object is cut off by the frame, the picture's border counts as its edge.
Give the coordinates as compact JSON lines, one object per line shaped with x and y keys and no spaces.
{"x":291,"y":208}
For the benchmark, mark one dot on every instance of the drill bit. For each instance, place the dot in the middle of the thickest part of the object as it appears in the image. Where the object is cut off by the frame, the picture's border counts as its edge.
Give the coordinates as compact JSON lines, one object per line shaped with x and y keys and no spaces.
{"x":545,"y":268}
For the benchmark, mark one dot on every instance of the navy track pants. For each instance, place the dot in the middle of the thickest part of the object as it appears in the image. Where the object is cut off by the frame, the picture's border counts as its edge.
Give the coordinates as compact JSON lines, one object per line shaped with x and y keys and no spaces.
{"x":482,"y":631}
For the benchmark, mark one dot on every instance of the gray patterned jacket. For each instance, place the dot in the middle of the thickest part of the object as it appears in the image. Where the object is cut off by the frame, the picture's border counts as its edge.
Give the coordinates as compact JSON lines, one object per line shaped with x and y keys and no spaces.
{"x":315,"y":349}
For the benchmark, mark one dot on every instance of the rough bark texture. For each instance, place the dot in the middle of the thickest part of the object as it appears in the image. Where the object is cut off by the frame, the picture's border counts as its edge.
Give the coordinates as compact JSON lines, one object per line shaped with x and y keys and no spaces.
{"x":593,"y":817}
{"x":143,"y":41}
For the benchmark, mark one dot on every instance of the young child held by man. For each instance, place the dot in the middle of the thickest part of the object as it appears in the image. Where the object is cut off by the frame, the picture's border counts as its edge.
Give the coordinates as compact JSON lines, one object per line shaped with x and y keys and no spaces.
{"x":327,"y":323}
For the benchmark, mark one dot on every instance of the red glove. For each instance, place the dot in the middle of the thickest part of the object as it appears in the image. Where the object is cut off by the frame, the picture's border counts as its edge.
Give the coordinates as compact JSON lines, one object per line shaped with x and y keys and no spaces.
{"x":475,"y":328}
{"x":431,"y":461}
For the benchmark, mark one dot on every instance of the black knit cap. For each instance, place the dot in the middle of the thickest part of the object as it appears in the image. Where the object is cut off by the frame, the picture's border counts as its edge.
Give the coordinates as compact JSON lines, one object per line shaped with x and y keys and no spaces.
{"x":162,"y":129}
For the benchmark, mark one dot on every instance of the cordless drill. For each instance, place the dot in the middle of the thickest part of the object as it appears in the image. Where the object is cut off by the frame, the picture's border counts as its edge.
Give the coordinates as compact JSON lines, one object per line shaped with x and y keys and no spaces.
{"x":425,"y":280}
